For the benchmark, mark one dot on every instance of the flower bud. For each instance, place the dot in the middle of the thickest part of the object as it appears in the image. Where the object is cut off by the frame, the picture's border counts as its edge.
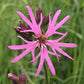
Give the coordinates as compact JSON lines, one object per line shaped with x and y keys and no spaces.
{"x":45,"y":20}
{"x":14,"y":78}
{"x":23,"y":78}
{"x":38,"y":13}
{"x":23,"y":34}
{"x":18,"y":80}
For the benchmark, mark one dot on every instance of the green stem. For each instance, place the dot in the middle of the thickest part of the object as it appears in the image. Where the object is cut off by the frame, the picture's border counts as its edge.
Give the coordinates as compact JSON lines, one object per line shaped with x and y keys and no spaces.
{"x":45,"y":71}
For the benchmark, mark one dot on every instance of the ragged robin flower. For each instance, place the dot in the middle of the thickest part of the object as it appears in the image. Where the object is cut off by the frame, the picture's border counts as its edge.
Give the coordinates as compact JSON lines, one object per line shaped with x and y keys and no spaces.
{"x":42,"y":40}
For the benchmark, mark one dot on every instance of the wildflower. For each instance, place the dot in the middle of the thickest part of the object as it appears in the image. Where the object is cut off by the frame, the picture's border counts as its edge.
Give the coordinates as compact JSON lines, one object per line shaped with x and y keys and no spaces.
{"x":42,"y":40}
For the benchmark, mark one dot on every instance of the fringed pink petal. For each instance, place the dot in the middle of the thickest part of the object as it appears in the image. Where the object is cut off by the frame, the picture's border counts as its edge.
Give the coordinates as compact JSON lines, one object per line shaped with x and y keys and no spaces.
{"x":59,"y":33}
{"x":24,"y":18}
{"x":36,"y":28}
{"x":32,"y":50}
{"x":33,"y":30}
{"x":26,"y":31}
{"x":33,"y":56}
{"x":49,"y":61}
{"x":55,"y":53}
{"x":33,"y":25}
{"x":18,"y":47}
{"x":41,"y":20}
{"x":29,"y":48}
{"x":62,"y":22}
{"x":28,"y":42}
{"x":23,"y":39}
{"x":56,"y":17}
{"x":51,"y":53}
{"x":20,"y":56}
{"x":50,"y":64}
{"x":67,"y":45}
{"x":53,"y":44}
{"x":50,"y":28}
{"x":40,"y":65}
{"x":36,"y":58}
{"x":61,"y":37}
{"x":62,"y":52}
{"x":31,"y":15}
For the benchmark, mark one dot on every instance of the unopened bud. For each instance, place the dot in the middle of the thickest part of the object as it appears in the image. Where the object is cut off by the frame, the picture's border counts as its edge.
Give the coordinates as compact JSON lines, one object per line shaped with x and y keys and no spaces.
{"x":45,"y":20}
{"x":23,"y":26}
{"x":18,"y":80}
{"x":23,"y":78}
{"x":23,"y":34}
{"x":14,"y":78}
{"x":38,"y":13}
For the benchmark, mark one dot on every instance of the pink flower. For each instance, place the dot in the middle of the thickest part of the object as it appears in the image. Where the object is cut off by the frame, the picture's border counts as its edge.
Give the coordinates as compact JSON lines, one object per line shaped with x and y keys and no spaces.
{"x":42,"y":40}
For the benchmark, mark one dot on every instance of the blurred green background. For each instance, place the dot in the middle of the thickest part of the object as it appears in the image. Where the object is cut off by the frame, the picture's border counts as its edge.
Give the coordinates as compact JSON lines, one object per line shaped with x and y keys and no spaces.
{"x":67,"y":71}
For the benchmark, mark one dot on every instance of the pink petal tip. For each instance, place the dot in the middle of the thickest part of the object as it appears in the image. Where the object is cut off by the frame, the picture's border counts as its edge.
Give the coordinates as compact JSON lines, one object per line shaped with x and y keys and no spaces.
{"x":28,"y":7}
{"x":36,"y":75}
{"x":9,"y":47}
{"x":68,"y":16}
{"x":18,"y":12}
{"x":59,"y":10}
{"x":10,"y":75}
{"x":12,"y":61}
{"x":75,"y":45}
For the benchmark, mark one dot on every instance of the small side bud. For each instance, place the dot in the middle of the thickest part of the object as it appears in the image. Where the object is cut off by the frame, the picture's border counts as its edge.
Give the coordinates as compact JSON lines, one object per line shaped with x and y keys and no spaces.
{"x":23,"y":34}
{"x":23,"y":26}
{"x":38,"y":13}
{"x":23,"y":78}
{"x":45,"y":20}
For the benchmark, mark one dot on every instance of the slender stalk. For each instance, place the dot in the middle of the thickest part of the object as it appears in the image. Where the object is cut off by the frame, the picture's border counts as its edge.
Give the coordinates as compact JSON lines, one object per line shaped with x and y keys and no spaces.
{"x":45,"y":71}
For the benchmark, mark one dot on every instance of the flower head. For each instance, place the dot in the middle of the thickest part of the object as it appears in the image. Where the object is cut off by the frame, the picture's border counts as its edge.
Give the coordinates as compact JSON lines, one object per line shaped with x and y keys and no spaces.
{"x":42,"y":40}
